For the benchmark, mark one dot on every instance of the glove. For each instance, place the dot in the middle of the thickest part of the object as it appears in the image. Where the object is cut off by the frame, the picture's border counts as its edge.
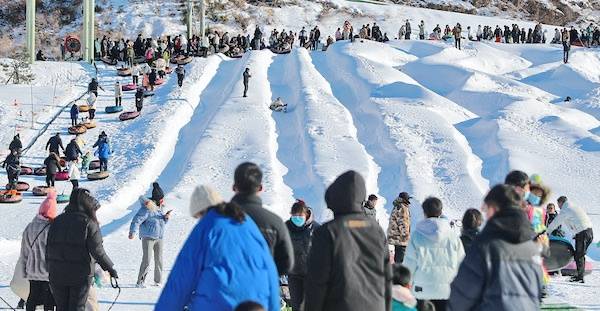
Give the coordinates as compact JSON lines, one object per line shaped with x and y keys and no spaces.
{"x":113,"y":273}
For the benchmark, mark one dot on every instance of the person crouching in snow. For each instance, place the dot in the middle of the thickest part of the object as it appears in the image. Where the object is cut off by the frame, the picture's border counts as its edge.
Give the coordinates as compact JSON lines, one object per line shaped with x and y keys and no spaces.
{"x":151,"y":220}
{"x":402,"y":298}
{"x":225,"y":240}
{"x":33,"y":254}
{"x":278,"y":105}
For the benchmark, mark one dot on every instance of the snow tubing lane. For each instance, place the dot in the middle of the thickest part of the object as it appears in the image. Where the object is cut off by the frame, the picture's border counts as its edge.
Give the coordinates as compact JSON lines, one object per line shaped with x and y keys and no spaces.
{"x":98,"y":176}
{"x":561,"y":254}
{"x":571,"y":269}
{"x":21,"y":186}
{"x":124,"y":72}
{"x":113,"y":109}
{"x":41,"y":191}
{"x":77,"y":129}
{"x":40,"y":171}
{"x":94,"y":165}
{"x":129,"y":87}
{"x":63,"y":198}
{"x":89,"y":124}
{"x":26,"y":170}
{"x":130,"y":115}
{"x":84,"y":108}
{"x":4,"y":198}
{"x":108,"y":61}
{"x":62,"y":176}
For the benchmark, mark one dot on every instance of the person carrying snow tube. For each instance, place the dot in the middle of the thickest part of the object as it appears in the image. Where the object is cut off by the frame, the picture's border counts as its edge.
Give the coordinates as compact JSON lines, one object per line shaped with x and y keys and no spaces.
{"x":225,"y":239}
{"x":52,"y":163}
{"x":54,"y":143}
{"x":93,"y":87}
{"x":151,"y":220}
{"x":103,"y":152}
{"x":13,"y":169}
{"x":74,"y":114}
{"x":139,"y":99}
{"x":74,"y":246}
{"x":91,"y":102}
{"x":180,"y":71}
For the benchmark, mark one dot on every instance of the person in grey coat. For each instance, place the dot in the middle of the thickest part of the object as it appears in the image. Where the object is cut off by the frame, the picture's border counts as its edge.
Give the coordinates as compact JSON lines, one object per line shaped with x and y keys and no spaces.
{"x":503,"y":268}
{"x":151,"y":220}
{"x":369,"y":207}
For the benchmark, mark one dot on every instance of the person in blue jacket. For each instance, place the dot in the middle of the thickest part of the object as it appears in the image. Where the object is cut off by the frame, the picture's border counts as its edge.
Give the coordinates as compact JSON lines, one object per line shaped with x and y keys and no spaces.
{"x":151,"y":220}
{"x":74,"y":114}
{"x":224,"y":262}
{"x":103,"y":152}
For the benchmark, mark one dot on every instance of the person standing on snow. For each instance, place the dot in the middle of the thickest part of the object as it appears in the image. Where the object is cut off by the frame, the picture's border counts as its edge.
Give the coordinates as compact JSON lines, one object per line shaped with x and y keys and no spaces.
{"x":135,"y":73}
{"x":139,"y":99}
{"x":399,"y":226}
{"x":74,"y":114}
{"x":348,"y":260}
{"x":33,"y":255}
{"x":301,"y":227}
{"x":91,"y":102}
{"x":369,"y":207}
{"x":118,"y":93}
{"x":74,"y":173}
{"x":471,"y":221}
{"x":103,"y":152}
{"x":180,"y":71}
{"x":422,"y":30}
{"x":566,"y":42}
{"x":246,"y":75}
{"x":503,"y":268}
{"x":93,"y":87}
{"x":74,"y":247}
{"x":408,"y":30}
{"x":72,"y":152}
{"x":52,"y":164}
{"x":576,"y":219}
{"x":151,"y":220}
{"x":247,"y":186}
{"x":13,"y":169}
{"x":225,"y":239}
{"x":457,"y":32}
{"x":54,"y":143}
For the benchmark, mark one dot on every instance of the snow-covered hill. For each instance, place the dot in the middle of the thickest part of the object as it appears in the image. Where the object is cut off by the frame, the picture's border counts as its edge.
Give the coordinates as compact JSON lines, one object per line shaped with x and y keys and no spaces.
{"x":416,"y":116}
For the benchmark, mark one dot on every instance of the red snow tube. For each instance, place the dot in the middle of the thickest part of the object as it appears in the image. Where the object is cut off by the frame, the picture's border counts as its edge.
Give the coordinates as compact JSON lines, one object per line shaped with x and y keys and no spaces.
{"x":129,"y":87}
{"x":571,"y":268}
{"x":129,"y":115}
{"x":72,"y":44}
{"x":26,"y":170}
{"x":41,"y":191}
{"x":184,"y":60}
{"x":77,"y":129}
{"x":84,"y":108}
{"x":124,"y":72}
{"x":98,"y":175}
{"x":40,"y":171}
{"x":21,"y":186}
{"x":63,"y":162}
{"x":10,"y":196}
{"x":159,"y":81}
{"x":62,"y":176}
{"x":94,"y":165}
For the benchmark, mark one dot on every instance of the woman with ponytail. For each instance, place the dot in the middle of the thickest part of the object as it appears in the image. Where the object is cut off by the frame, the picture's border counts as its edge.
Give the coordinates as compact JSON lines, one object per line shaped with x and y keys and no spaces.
{"x":224,"y":262}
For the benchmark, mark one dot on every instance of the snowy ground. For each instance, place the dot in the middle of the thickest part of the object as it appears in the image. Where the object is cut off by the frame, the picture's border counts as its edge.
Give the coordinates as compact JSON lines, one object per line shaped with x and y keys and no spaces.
{"x":416,"y":116}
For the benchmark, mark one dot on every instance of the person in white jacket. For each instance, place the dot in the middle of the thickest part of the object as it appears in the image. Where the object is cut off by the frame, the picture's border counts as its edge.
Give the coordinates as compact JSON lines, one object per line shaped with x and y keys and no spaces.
{"x":577,"y":221}
{"x":74,"y":173}
{"x":433,"y":255}
{"x":118,"y":93}
{"x":91,"y":102}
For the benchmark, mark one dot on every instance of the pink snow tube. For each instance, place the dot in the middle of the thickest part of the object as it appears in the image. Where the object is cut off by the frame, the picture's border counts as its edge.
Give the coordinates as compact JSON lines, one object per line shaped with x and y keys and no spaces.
{"x":130,"y":115}
{"x":62,"y":176}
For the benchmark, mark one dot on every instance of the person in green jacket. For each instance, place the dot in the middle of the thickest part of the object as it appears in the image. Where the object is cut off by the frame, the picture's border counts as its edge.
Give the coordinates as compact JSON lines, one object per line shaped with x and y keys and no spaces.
{"x":402,"y":298}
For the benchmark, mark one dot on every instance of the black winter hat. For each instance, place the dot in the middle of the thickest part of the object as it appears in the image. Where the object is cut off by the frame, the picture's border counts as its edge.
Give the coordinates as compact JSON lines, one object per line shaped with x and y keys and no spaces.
{"x":157,"y":192}
{"x":346,"y":194}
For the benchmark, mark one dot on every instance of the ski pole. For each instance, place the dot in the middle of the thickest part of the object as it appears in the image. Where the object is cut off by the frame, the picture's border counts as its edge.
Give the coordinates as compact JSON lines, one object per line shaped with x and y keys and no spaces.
{"x":114,"y":285}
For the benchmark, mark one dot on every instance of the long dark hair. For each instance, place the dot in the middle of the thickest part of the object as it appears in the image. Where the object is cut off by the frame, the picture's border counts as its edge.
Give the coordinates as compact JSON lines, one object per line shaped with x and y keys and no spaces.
{"x":231,"y":210}
{"x":82,"y":201}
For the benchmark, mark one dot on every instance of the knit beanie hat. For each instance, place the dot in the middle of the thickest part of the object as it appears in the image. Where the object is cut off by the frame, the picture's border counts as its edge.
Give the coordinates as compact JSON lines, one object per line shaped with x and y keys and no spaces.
{"x":48,"y":206}
{"x":203,"y":197}
{"x":157,"y":192}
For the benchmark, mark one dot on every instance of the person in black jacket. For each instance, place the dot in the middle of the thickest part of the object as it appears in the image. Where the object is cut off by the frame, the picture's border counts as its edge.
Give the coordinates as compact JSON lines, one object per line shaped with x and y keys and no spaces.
{"x":93,"y":87}
{"x":246,"y":75}
{"x":74,"y":114}
{"x":13,"y":169}
{"x":471,"y":221}
{"x":139,"y":99}
{"x":72,"y":152}
{"x":15,"y":144}
{"x":152,"y":79}
{"x":503,"y":269}
{"x":74,"y":246}
{"x":52,"y":163}
{"x":54,"y":143}
{"x":301,"y":226}
{"x":348,"y":264}
{"x":248,"y":183}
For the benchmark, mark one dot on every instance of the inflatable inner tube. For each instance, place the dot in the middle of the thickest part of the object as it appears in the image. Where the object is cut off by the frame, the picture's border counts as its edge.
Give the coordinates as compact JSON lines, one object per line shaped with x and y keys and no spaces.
{"x":571,"y":268}
{"x":62,"y":176}
{"x":113,"y":109}
{"x":159,"y":81}
{"x":98,"y":175}
{"x":129,"y":115}
{"x":41,"y":191}
{"x":21,"y":186}
{"x":40,"y":171}
{"x":26,"y":170}
{"x":94,"y":165}
{"x":90,"y":124}
{"x":84,"y":108}
{"x":107,"y":60}
{"x":184,"y":60}
{"x":148,"y":93}
{"x":77,"y":129}
{"x":63,"y":198}
{"x":139,"y":60}
{"x":124,"y":72}
{"x":10,"y":196}
{"x":561,"y":254}
{"x":129,"y":87}
{"x":168,"y":70}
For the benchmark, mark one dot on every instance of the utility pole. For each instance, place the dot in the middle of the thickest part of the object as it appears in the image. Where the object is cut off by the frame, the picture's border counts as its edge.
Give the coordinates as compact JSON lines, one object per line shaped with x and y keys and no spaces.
{"x":30,"y":25}
{"x":190,"y":14}
{"x":202,"y":16}
{"x":89,"y":13}
{"x":91,"y":29}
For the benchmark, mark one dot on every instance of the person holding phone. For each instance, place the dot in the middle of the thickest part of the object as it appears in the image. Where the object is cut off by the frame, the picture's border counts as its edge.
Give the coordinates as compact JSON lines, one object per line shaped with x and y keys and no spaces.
{"x":151,"y":220}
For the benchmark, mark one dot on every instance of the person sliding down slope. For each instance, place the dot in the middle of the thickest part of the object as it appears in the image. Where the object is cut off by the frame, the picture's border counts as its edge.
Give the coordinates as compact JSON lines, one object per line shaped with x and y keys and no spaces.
{"x":278,"y":105}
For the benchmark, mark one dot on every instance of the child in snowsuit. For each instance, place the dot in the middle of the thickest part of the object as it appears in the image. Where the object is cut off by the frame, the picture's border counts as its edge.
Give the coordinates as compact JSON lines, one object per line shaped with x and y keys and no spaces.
{"x":402,"y":298}
{"x":85,"y":163}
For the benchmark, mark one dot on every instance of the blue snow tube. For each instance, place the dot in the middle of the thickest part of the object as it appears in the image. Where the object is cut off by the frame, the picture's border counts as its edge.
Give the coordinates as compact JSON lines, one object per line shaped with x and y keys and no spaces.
{"x":561,"y":254}
{"x":63,"y":198}
{"x":113,"y":109}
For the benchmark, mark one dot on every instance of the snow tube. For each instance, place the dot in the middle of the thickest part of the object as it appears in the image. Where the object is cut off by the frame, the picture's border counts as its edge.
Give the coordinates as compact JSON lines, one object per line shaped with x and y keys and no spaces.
{"x":77,"y":129}
{"x":159,"y":81}
{"x":62,"y":176}
{"x":94,"y":165}
{"x":40,"y":171}
{"x":224,"y":49}
{"x":237,"y":55}
{"x":107,"y":60}
{"x":148,"y":93}
{"x":90,"y":124}
{"x":21,"y":186}
{"x":84,"y":108}
{"x":10,"y":196}
{"x":63,"y":162}
{"x":41,"y":191}
{"x":98,"y":176}
{"x":63,"y":198}
{"x":113,"y":109}
{"x":185,"y":60}
{"x":571,"y":268}
{"x":168,"y":70}
{"x":129,"y":87}
{"x":139,"y":60}
{"x":129,"y":115}
{"x":561,"y":254}
{"x":26,"y":170}
{"x":124,"y":72}
{"x":281,"y":51}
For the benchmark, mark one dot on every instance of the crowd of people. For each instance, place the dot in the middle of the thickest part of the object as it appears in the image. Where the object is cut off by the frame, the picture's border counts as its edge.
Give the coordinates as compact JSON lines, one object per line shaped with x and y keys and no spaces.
{"x":239,"y":254}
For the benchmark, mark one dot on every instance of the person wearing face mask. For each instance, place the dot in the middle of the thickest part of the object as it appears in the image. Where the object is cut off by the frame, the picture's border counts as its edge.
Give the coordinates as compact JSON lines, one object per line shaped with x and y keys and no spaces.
{"x":225,"y":260}
{"x":301,"y":227}
{"x":502,"y":270}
